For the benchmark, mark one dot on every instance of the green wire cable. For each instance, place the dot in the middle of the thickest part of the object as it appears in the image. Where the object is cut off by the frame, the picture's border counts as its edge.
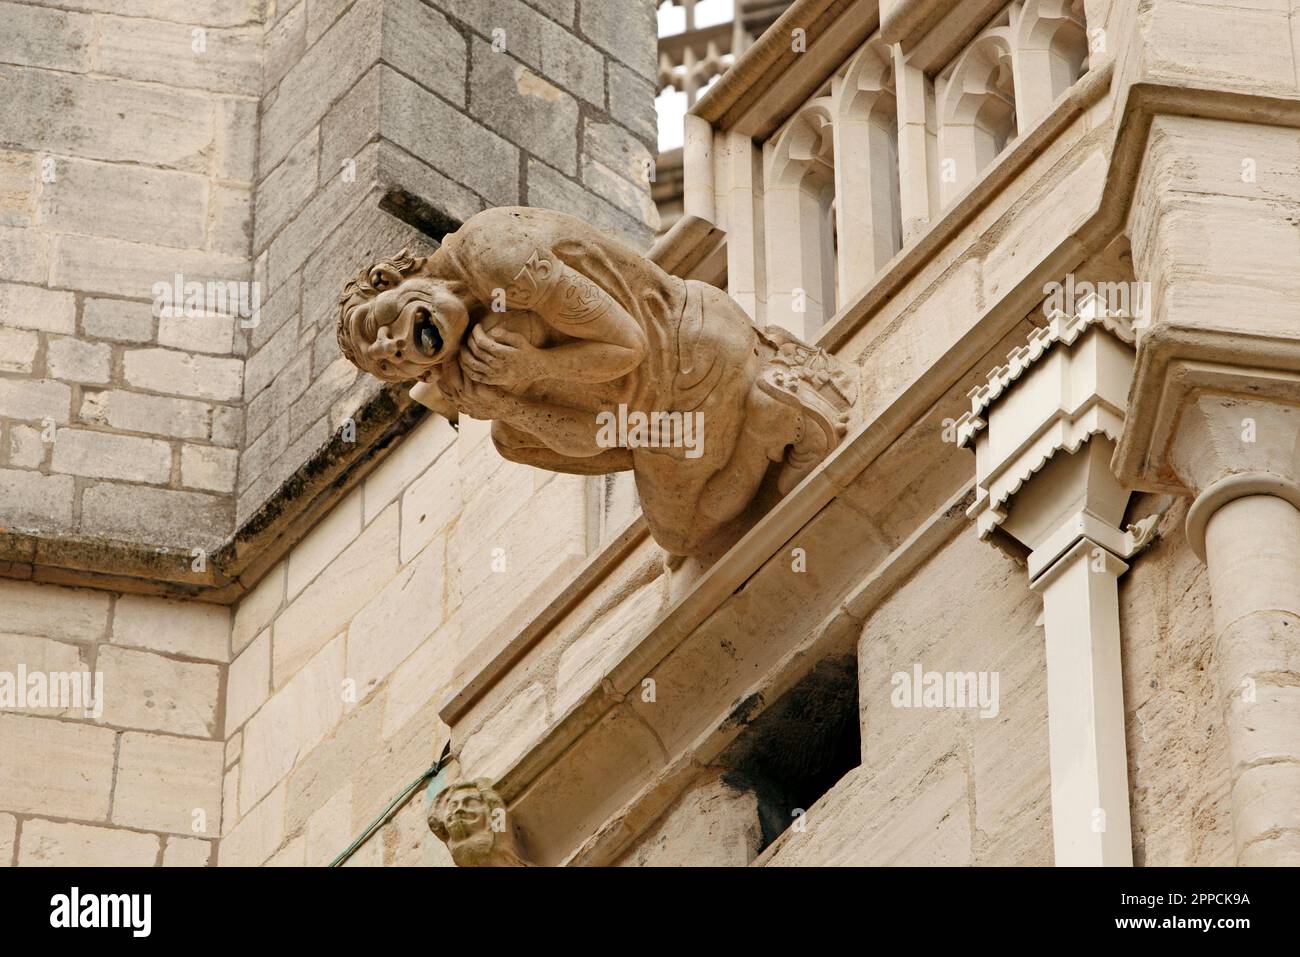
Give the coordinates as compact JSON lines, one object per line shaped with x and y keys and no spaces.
{"x":387,"y":812}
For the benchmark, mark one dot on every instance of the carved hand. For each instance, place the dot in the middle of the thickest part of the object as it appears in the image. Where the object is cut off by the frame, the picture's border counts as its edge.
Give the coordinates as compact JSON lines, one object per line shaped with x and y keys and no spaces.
{"x":475,"y":399}
{"x":503,"y":358}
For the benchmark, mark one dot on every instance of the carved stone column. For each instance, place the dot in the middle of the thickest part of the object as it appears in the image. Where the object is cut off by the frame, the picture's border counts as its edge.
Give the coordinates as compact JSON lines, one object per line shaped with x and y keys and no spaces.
{"x":1215,"y":415}
{"x":1229,"y":435}
{"x":1043,"y":430}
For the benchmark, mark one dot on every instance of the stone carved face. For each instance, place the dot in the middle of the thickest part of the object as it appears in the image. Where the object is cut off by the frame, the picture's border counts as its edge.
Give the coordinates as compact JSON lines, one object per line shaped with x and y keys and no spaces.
{"x":468,"y":818}
{"x":399,"y":325}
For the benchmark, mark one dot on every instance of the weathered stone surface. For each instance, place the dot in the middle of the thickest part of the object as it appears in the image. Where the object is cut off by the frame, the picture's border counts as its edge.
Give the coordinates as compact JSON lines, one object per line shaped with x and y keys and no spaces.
{"x":257,"y":609}
{"x":147,"y":691}
{"x":140,"y":412}
{"x":190,"y":629}
{"x":529,"y":110}
{"x":8,"y":842}
{"x":324,"y":608}
{"x":179,"y":373}
{"x":248,"y":683}
{"x":713,"y":824}
{"x":395,"y":622}
{"x":35,"y":400}
{"x":51,"y":39}
{"x":168,"y":784}
{"x":257,"y":835}
{"x":487,"y":752}
{"x":608,"y":26}
{"x":329,"y":829}
{"x":323,"y":543}
{"x":34,"y":500}
{"x":117,"y":319}
{"x":134,"y":203}
{"x":212,"y":333}
{"x":31,"y":307}
{"x":55,"y":767}
{"x":142,"y":514}
{"x":71,"y":360}
{"x":73,"y":614}
{"x":49,"y":657}
{"x":105,"y":455}
{"x":208,"y":467}
{"x":429,"y":504}
{"x":188,"y":852}
{"x":18,"y":350}
{"x":227,"y":61}
{"x":292,"y":722}
{"x":53,"y":844}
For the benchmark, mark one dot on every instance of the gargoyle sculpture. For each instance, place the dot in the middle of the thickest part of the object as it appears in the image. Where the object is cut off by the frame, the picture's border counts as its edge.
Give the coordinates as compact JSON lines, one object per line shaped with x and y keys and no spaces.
{"x":589,"y":358}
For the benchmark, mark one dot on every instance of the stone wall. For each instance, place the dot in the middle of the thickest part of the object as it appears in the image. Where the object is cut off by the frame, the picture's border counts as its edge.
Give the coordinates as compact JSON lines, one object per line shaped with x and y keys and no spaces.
{"x":387,"y":122}
{"x":129,"y":160}
{"x":138,"y":781}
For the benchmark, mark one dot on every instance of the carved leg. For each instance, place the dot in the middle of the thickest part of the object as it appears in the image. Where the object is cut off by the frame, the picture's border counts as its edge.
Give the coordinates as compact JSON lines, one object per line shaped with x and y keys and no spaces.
{"x":516,"y":445}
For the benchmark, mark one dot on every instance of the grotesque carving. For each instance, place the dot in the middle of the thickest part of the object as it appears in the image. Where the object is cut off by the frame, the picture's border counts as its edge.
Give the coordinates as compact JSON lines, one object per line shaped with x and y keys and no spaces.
{"x":589,"y":358}
{"x":470,"y":818}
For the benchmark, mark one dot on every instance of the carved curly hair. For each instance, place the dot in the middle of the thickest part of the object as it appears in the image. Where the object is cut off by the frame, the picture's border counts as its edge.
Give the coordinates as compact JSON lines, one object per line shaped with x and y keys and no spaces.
{"x":361,"y":289}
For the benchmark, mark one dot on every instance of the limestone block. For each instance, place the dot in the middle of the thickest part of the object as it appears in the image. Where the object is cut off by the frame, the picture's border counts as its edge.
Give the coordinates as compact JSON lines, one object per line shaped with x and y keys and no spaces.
{"x":407,"y":840}
{"x":230,"y":60}
{"x":429,"y":505}
{"x":605,"y":641}
{"x":628,"y":94}
{"x":110,"y":456}
{"x":291,"y":723}
{"x":35,"y":399}
{"x":324,"y":607}
{"x":608,"y":27}
{"x":248,"y":684}
{"x":416,"y":454}
{"x":617,"y":153}
{"x":18,"y":350}
{"x":208,"y":467}
{"x":714,"y":824}
{"x":139,"y":513}
{"x":147,"y":691}
{"x":419,"y":682}
{"x":73,"y":614}
{"x":323,"y":543}
{"x":284,"y":190}
{"x":257,"y":609}
{"x":488,"y":752}
{"x":191,"y":629}
{"x":31,"y":307}
{"x":257,"y":835}
{"x":234,"y":748}
{"x":115,"y":121}
{"x":452,"y":142}
{"x":284,"y":44}
{"x":549,"y":190}
{"x":188,"y":852}
{"x":1264,"y":800}
{"x":71,"y":360}
{"x":293,"y":854}
{"x":329,"y":829}
{"x":328,"y":69}
{"x":26,"y":448}
{"x":168,"y":784}
{"x":180,"y":373}
{"x":209,"y":333}
{"x":48,"y":657}
{"x":51,"y":844}
{"x":332,"y":765}
{"x":529,"y":110}
{"x":33,"y":500}
{"x":51,"y":39}
{"x":395,"y":622}
{"x":18,"y":187}
{"x":134,"y":203}
{"x":1243,"y":48}
{"x":117,"y":319}
{"x":137,"y":412}
{"x":115,"y":267}
{"x":229,"y":800}
{"x":210,"y":13}
{"x":55,"y":767}
{"x":24,"y":255}
{"x":8,"y":834}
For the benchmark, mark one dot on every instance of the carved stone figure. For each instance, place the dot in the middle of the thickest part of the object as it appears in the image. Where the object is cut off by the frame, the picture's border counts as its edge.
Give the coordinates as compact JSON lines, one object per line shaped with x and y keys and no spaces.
{"x":470,"y":818}
{"x":589,"y":358}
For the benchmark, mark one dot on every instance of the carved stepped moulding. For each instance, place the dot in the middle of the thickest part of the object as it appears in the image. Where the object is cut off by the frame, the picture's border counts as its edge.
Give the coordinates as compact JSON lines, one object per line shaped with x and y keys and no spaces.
{"x":589,"y":358}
